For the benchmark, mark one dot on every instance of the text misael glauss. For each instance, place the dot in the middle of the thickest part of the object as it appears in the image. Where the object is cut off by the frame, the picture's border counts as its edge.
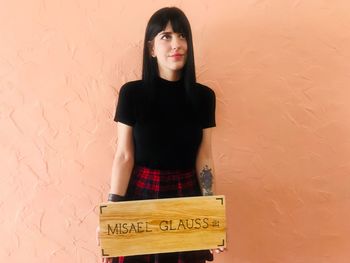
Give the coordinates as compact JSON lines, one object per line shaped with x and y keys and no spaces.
{"x":164,"y":225}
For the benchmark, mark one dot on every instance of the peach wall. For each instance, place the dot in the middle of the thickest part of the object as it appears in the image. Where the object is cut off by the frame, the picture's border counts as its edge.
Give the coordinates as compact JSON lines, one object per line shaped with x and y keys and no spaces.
{"x":281,"y":71}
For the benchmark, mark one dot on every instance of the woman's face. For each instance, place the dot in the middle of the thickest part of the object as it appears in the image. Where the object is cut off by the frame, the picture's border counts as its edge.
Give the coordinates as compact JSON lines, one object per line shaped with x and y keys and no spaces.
{"x":170,"y":50}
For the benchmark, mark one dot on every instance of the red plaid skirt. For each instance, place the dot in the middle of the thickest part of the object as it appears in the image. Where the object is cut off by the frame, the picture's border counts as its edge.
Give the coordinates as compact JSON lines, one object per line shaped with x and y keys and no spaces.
{"x":148,"y":183}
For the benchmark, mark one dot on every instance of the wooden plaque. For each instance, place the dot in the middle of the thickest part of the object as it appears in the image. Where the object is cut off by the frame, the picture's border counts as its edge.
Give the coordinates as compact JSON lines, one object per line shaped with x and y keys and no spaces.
{"x":162,"y":225}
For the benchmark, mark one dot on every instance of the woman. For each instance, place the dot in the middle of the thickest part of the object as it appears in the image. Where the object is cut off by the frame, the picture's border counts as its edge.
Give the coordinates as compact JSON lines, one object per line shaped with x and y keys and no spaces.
{"x":164,"y":127}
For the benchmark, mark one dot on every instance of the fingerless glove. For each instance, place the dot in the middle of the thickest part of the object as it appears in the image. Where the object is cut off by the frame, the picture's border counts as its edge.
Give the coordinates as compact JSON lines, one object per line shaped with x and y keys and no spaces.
{"x":115,"y":198}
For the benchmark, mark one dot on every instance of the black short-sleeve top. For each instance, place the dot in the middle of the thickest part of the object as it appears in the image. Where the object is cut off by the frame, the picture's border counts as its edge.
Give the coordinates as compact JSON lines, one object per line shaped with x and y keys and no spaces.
{"x":171,"y":137}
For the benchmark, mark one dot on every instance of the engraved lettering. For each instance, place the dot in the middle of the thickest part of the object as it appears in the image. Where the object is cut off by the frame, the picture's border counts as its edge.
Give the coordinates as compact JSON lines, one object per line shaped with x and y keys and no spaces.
{"x":115,"y":231}
{"x":181,"y":224}
{"x":198,"y":223}
{"x":132,"y":228}
{"x":171,"y":225}
{"x":139,"y":227}
{"x":147,"y":230}
{"x":189,"y":226}
{"x":205,"y":221}
{"x":163,"y":225}
{"x":125,"y":228}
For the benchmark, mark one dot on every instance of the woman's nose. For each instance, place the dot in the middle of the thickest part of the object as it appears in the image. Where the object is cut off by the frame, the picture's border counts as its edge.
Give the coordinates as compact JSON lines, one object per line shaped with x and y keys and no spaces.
{"x":175,"y":42}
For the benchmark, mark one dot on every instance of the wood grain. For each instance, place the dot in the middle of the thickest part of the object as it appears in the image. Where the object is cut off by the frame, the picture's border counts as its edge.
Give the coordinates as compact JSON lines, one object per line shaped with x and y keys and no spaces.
{"x":162,"y":225}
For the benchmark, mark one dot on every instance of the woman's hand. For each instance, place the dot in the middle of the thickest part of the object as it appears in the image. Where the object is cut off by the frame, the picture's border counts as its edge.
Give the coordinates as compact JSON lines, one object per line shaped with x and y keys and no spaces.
{"x":98,"y":235}
{"x":217,"y":250}
{"x":107,"y":260}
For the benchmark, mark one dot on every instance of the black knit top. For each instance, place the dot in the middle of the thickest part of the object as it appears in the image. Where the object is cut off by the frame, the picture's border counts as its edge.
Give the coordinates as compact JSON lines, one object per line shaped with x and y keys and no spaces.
{"x":170,"y":137}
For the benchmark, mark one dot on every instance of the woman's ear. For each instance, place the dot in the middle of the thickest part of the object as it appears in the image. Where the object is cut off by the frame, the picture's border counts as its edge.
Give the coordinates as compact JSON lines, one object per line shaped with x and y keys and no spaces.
{"x":151,"y":49}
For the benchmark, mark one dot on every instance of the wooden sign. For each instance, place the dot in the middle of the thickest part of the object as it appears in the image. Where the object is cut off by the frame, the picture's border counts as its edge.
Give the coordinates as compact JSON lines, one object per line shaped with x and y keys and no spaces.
{"x":162,"y":225}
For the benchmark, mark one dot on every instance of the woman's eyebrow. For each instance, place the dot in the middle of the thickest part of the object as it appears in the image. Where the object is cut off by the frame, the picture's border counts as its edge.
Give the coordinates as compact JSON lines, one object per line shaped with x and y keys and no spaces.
{"x":163,"y":33}
{"x":168,"y":33}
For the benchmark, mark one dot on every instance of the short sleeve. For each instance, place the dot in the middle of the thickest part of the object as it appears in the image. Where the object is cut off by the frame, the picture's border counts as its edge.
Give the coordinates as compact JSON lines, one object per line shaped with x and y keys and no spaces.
{"x":208,"y":108}
{"x":125,"y":111}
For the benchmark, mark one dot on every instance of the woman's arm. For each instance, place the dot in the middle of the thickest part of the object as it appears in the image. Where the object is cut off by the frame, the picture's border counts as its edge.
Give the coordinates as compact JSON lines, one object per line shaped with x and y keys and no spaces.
{"x":205,"y":164}
{"x":123,"y":160}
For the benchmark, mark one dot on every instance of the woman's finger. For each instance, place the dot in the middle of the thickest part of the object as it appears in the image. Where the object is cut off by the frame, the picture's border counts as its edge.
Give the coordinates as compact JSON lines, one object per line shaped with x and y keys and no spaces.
{"x":217,"y":250}
{"x":98,"y":235}
{"x":107,"y":260}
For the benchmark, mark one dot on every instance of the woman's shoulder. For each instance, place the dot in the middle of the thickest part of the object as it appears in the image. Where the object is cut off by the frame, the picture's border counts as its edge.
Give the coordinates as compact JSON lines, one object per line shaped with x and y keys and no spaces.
{"x":131,"y":89}
{"x":130,"y":86}
{"x":205,"y":90}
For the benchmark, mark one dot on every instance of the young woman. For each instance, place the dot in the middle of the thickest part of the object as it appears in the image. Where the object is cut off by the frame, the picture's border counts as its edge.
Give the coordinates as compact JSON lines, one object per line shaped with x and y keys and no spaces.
{"x":164,"y":127}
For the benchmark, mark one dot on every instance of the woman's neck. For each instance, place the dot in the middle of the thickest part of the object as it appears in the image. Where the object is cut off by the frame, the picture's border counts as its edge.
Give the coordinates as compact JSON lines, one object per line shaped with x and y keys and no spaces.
{"x":171,"y":76}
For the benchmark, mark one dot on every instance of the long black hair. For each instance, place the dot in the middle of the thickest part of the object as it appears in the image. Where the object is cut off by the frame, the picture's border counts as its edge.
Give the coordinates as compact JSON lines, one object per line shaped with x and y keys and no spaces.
{"x":180,"y":24}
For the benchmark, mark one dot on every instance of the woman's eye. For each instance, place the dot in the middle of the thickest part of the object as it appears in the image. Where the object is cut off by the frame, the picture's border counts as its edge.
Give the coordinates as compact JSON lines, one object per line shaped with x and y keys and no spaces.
{"x":165,"y":37}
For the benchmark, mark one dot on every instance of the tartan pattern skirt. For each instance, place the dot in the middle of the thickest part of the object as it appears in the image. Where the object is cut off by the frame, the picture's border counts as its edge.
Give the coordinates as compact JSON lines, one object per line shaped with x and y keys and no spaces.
{"x":146,"y":183}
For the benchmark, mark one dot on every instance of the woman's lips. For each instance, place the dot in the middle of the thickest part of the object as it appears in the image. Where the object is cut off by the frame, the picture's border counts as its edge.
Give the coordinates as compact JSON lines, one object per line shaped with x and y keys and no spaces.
{"x":177,"y":56}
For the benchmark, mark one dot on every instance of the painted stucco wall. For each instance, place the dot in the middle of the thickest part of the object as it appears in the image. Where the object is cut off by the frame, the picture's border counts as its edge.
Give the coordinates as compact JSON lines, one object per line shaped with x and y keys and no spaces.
{"x":281,"y":73}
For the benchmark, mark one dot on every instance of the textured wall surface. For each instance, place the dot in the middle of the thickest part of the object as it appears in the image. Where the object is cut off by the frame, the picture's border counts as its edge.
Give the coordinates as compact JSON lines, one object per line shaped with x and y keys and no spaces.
{"x":281,"y":73}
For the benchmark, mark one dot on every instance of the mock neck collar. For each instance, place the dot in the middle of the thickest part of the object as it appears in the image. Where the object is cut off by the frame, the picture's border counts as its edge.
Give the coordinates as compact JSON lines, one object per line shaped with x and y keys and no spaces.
{"x":169,"y":83}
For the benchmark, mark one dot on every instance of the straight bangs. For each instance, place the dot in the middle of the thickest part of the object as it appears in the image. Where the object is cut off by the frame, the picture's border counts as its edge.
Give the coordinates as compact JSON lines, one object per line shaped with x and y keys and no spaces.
{"x":177,"y":20}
